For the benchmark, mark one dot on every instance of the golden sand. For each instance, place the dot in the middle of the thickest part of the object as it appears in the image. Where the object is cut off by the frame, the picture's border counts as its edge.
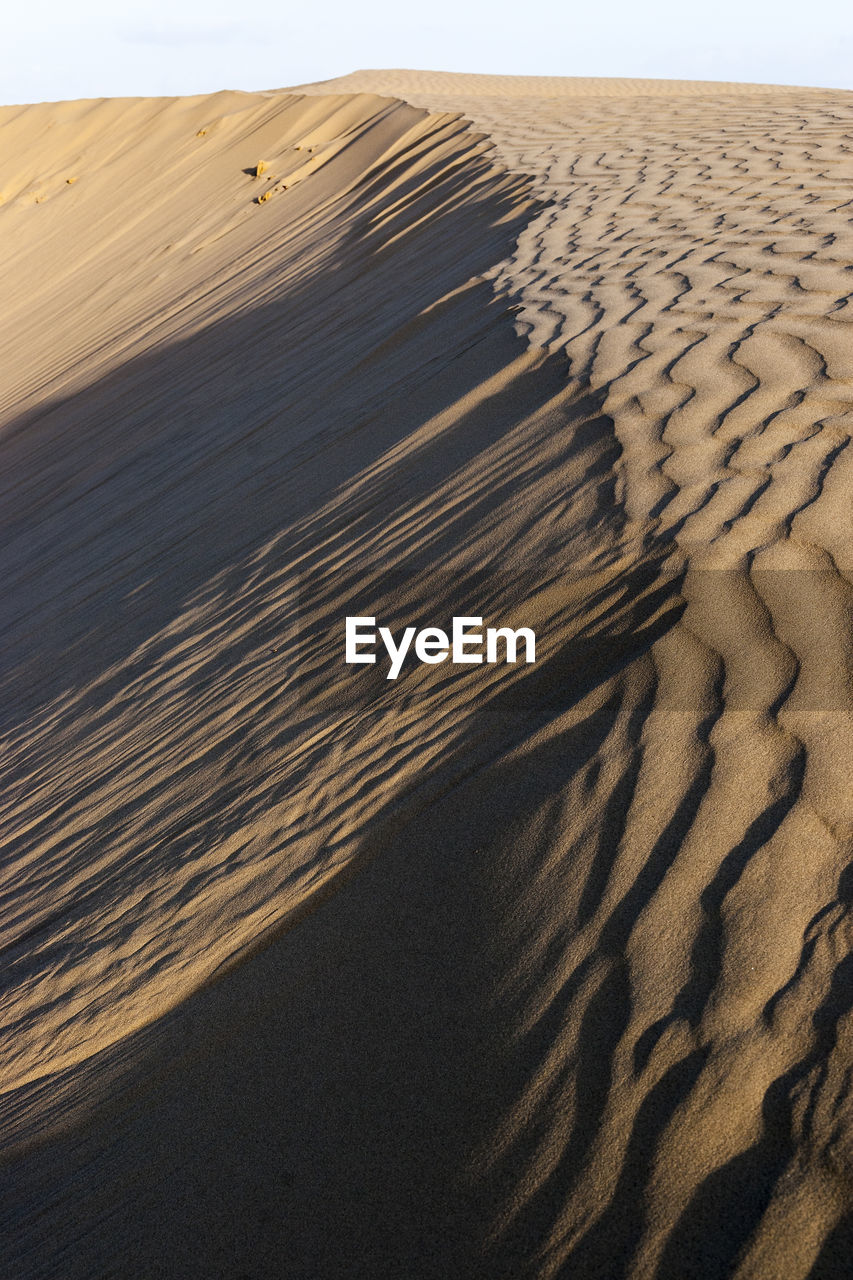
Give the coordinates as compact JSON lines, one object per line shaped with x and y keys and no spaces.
{"x":515,"y":971}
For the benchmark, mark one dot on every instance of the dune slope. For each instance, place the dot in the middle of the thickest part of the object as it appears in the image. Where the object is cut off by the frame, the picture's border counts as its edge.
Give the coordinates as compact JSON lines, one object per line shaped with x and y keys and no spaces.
{"x":508,"y":971}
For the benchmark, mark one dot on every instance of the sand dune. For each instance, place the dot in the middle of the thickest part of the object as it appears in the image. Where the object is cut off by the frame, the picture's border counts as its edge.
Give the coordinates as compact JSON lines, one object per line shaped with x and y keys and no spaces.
{"x":498,"y":972}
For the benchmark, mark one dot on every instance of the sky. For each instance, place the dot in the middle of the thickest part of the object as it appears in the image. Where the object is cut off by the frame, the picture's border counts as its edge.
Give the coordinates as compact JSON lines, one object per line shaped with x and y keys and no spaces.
{"x":92,"y":48}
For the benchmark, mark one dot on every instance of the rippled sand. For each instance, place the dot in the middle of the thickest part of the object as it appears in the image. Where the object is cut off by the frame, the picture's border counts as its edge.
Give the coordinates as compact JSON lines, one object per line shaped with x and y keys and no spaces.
{"x":500,"y":972}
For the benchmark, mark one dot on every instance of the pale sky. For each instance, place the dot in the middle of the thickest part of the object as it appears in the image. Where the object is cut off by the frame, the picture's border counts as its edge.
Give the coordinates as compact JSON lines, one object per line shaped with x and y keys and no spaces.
{"x":54,"y":49}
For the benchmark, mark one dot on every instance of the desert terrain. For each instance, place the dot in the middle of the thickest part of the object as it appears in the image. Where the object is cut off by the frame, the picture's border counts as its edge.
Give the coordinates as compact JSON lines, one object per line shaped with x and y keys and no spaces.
{"x":514,"y":971}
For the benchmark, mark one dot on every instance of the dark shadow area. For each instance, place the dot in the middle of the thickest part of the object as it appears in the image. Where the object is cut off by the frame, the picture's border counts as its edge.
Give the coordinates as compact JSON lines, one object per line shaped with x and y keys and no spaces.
{"x":121,"y":500}
{"x":315,"y":1112}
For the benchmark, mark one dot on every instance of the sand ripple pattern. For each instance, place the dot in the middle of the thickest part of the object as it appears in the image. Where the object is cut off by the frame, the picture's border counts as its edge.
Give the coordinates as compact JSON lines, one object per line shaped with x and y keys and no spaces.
{"x":695,"y":265}
{"x":546,"y":975}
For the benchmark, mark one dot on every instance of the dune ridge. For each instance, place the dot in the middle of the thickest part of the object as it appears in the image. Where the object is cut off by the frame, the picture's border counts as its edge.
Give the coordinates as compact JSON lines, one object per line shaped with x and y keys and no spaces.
{"x":531,"y":973}
{"x":430,"y":85}
{"x":135,"y":516}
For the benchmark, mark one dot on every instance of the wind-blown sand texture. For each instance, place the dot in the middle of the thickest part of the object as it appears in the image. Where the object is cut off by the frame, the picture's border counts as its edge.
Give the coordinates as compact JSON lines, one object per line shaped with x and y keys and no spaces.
{"x":500,"y":972}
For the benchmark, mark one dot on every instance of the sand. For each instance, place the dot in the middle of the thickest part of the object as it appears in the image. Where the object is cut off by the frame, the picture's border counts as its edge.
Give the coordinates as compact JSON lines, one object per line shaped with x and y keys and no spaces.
{"x":498,"y":972}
